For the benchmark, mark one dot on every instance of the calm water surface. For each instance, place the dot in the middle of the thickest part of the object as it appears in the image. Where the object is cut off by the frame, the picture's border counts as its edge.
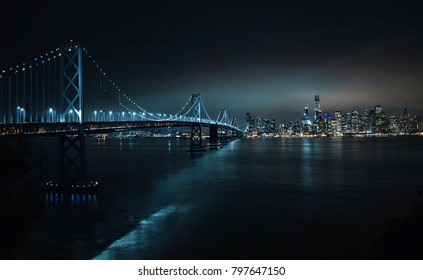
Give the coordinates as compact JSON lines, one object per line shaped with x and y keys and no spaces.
{"x":251,"y":199}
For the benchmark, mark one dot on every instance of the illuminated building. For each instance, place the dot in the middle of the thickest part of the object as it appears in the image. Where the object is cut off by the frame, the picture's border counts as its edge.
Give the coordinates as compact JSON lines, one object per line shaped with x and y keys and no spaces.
{"x":405,"y":121}
{"x":282,"y":128}
{"x":305,"y":120}
{"x":272,"y":125}
{"x":370,"y":122}
{"x":328,"y":123}
{"x":365,"y":121}
{"x":250,"y":122}
{"x":337,"y":122}
{"x":355,"y":122}
{"x":317,"y":110}
{"x":393,"y":125}
{"x":260,"y":124}
{"x":380,"y":120}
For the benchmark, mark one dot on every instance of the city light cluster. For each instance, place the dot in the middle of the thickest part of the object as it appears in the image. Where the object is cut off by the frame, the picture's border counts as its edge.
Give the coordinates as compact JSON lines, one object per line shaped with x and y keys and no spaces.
{"x":337,"y":124}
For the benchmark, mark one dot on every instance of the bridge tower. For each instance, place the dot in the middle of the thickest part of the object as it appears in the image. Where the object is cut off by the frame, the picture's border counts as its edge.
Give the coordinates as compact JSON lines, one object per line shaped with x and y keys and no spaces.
{"x":196,"y":143}
{"x":72,"y":145}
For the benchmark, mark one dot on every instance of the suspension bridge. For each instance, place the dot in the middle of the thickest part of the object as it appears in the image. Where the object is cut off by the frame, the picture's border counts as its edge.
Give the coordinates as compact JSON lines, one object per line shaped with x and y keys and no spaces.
{"x":65,"y":93}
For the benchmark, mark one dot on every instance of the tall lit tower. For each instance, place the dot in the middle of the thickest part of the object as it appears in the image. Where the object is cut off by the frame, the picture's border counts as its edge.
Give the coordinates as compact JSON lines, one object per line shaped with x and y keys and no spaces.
{"x":317,"y":110}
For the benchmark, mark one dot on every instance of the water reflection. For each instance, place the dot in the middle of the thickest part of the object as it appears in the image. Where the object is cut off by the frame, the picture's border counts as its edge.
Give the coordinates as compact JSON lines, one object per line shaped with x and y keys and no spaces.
{"x":248,"y":190}
{"x":169,"y":145}
{"x":145,"y":238}
{"x":306,"y":167}
{"x":58,"y":201}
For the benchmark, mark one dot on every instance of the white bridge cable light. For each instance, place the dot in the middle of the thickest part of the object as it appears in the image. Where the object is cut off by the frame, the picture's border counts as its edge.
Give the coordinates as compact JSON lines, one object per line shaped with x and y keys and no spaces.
{"x":144,"y":114}
{"x":119,"y":91}
{"x":205,"y":111}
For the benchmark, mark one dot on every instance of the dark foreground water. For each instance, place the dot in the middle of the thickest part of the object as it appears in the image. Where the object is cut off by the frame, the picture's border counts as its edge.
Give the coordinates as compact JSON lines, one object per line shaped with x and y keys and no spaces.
{"x":251,"y":199}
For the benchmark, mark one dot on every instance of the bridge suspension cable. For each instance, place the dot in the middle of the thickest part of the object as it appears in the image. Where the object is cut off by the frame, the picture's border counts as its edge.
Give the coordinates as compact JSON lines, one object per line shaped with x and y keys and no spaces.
{"x":29,"y":89}
{"x":30,"y":92}
{"x":124,"y":101}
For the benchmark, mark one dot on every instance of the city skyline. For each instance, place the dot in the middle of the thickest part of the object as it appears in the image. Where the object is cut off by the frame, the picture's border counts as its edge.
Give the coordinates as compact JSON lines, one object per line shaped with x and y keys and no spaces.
{"x":318,"y":121}
{"x":119,"y":141}
{"x":300,"y":112}
{"x":267,"y":57}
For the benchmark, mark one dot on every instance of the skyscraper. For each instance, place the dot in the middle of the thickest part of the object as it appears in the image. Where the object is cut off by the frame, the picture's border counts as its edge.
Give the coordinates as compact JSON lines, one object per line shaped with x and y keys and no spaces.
{"x":405,"y":120}
{"x":305,"y":119}
{"x":317,"y":110}
{"x":250,"y":122}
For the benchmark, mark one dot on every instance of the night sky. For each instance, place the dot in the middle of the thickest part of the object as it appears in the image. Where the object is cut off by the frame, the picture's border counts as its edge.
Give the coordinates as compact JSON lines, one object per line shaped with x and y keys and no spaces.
{"x":267,"y":57}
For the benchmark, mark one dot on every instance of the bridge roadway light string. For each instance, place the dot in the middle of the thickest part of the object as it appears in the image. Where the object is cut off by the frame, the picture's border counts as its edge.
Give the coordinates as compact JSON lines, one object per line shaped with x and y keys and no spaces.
{"x":42,"y":85}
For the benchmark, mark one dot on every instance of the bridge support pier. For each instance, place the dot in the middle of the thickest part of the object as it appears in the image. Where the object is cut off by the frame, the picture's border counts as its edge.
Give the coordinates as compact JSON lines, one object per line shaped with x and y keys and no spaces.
{"x":196,"y":143}
{"x":213,"y":135}
{"x":214,"y":143}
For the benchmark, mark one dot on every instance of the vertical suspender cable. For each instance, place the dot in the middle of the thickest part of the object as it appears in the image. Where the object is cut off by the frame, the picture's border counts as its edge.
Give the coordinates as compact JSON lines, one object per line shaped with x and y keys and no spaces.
{"x":49,"y":114}
{"x":37,"y":93}
{"x":55,"y":92}
{"x":43,"y":89}
{"x":103,"y":98}
{"x":31,"y":108}
{"x":10,"y":100}
{"x":24,"y":104}
{"x":106,"y":97}
{"x":17,"y":107}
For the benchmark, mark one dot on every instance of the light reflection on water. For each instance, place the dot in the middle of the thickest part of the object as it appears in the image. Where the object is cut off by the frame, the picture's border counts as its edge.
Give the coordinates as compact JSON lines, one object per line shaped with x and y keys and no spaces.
{"x":142,"y":240}
{"x":307,"y":174}
{"x":284,"y":198}
{"x":58,"y":200}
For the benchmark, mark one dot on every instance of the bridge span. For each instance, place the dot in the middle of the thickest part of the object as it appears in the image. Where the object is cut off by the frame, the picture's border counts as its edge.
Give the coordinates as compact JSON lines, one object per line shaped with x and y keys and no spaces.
{"x":65,"y":93}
